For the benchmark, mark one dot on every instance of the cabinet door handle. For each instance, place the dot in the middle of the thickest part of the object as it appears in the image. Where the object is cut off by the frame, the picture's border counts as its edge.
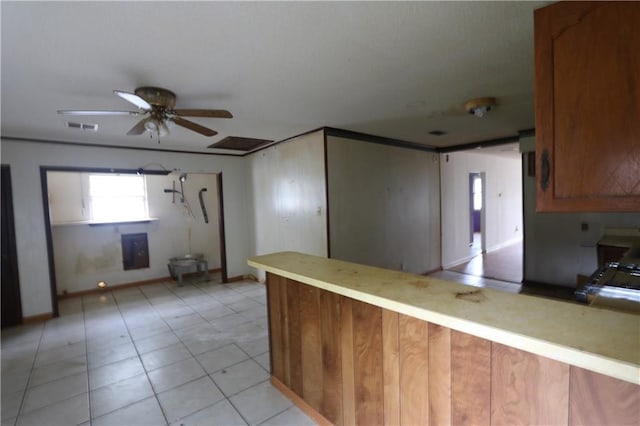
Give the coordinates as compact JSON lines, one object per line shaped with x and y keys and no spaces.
{"x":545,"y":170}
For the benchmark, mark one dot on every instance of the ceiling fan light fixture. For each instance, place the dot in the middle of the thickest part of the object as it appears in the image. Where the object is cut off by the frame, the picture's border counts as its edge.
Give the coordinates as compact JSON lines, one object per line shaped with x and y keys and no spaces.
{"x":151,"y":125}
{"x":155,"y":126}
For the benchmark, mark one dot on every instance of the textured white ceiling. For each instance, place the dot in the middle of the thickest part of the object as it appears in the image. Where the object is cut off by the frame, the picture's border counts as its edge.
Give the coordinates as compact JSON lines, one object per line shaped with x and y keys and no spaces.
{"x":391,"y":69}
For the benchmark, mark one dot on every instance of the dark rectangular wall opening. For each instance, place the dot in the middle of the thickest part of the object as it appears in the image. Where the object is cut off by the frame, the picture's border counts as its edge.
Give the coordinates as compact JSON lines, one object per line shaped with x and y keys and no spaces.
{"x":135,"y":251}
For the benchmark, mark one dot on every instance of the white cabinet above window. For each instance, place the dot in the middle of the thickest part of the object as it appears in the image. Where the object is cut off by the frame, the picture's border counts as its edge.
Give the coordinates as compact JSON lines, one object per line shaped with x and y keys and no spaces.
{"x":96,"y":198}
{"x":66,"y":202}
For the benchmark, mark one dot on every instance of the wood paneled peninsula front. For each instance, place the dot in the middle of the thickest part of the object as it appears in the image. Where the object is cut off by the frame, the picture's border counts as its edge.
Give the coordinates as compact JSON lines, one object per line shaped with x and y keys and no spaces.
{"x":353,"y":344}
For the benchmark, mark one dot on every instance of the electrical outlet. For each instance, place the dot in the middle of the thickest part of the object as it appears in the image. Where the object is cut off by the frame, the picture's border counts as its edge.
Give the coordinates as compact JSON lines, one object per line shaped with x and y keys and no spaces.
{"x":584,"y":226}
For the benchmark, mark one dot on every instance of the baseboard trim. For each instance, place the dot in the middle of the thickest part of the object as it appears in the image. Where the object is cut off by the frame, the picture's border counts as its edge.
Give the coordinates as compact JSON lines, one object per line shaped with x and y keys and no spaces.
{"x":432,"y":271}
{"x":466,"y":259}
{"x":254,"y":278}
{"x":248,"y":277}
{"x":127,"y":285}
{"x":35,"y":319}
{"x":300,"y":403}
{"x":458,"y":262}
{"x":504,"y":244}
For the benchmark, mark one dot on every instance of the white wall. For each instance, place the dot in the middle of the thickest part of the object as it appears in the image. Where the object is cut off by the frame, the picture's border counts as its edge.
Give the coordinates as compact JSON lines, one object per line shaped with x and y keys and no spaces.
{"x":289,"y":197}
{"x":556,"y":249}
{"x":86,"y":254}
{"x":25,"y":159}
{"x":384,"y":205}
{"x":503,"y":202}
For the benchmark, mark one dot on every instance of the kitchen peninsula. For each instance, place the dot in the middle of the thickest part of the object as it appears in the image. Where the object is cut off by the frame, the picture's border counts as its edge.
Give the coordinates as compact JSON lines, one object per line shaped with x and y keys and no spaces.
{"x":354,"y":344}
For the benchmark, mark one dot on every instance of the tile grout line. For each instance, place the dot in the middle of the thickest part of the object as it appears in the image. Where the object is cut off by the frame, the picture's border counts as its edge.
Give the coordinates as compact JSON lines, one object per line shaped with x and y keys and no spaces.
{"x":189,"y":305}
{"x":236,"y":408}
{"x":155,"y":394}
{"x":215,"y":403}
{"x":237,"y":393}
{"x":113,"y":362}
{"x":190,"y":352}
{"x":225,"y":397}
{"x":195,"y":357}
{"x":275,"y":415}
{"x":86,"y":353}
{"x":26,"y":389}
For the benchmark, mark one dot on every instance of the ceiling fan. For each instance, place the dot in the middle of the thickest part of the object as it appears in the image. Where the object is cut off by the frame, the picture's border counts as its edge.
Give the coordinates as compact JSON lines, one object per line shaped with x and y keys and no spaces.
{"x":157,"y":105}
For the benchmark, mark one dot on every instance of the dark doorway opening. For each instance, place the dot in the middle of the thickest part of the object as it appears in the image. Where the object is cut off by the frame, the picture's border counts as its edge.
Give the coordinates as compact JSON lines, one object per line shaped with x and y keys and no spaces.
{"x":11,"y":302}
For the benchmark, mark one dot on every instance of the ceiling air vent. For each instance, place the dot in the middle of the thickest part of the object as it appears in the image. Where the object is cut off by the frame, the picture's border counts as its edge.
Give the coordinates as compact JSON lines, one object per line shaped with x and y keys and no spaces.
{"x":240,"y":144}
{"x":82,"y":126}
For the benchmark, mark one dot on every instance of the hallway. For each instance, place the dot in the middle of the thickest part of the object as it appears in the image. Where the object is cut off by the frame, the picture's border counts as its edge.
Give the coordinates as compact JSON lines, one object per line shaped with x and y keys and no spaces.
{"x":504,"y":264}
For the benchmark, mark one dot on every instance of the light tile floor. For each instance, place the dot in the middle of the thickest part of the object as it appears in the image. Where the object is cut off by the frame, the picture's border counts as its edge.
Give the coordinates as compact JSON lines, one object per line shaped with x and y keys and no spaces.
{"x":151,"y":355}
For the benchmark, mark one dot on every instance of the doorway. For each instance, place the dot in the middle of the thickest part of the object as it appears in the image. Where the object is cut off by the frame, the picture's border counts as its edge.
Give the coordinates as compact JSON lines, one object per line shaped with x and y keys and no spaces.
{"x":476,"y":213}
{"x":178,"y":221}
{"x":482,"y":212}
{"x":11,"y":302}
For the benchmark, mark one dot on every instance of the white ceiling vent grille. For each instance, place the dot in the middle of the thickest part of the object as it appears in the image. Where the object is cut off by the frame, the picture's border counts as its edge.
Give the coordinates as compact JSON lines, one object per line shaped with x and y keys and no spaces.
{"x":82,"y":126}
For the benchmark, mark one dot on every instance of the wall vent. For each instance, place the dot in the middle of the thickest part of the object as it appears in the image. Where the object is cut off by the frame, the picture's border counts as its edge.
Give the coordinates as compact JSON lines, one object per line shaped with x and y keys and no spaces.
{"x":82,"y":126}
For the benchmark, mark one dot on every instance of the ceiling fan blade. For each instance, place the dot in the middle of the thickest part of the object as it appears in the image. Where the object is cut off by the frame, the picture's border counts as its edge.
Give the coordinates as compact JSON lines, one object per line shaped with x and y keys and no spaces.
{"x":215,"y":113}
{"x":91,"y":112}
{"x":134,"y":99}
{"x":194,"y":126}
{"x":139,"y":128}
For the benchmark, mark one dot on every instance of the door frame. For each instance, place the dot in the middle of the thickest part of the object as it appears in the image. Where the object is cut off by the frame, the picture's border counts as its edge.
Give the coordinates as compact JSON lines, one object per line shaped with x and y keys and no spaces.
{"x":483,"y":180}
{"x":221,"y":234}
{"x":10,"y":239}
{"x":483,"y":214}
{"x":49,"y":234}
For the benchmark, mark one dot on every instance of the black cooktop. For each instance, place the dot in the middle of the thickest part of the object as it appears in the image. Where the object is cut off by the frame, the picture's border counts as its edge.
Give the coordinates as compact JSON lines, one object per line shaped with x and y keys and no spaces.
{"x":615,"y":280}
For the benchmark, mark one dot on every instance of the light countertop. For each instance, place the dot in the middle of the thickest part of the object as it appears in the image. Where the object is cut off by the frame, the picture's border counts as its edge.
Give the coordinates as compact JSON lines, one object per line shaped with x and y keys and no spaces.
{"x":599,"y":340}
{"x":621,"y":237}
{"x":619,"y":241}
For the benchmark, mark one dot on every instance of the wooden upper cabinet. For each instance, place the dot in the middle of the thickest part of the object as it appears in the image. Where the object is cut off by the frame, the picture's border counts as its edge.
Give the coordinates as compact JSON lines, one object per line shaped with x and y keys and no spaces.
{"x":587,"y":89}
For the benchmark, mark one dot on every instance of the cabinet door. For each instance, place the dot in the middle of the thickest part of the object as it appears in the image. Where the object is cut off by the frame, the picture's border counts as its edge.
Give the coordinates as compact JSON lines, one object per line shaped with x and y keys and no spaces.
{"x":588,"y":106}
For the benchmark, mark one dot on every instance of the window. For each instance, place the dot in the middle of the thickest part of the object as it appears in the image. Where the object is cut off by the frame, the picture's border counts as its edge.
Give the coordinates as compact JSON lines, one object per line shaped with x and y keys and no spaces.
{"x":115,"y":198}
